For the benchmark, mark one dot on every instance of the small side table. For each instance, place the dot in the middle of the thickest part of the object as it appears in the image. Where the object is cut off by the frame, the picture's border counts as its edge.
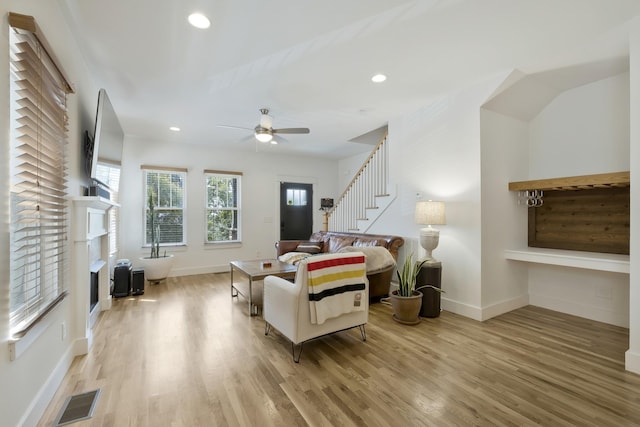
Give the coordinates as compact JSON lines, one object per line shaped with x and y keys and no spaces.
{"x":430,"y":274}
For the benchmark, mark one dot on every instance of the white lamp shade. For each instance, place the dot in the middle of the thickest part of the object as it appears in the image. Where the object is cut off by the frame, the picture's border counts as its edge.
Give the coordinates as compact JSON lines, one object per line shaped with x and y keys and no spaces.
{"x":430,"y":213}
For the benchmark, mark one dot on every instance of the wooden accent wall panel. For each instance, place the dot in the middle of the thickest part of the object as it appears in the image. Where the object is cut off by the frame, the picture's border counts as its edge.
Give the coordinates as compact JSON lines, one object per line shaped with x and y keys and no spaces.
{"x":582,"y":220}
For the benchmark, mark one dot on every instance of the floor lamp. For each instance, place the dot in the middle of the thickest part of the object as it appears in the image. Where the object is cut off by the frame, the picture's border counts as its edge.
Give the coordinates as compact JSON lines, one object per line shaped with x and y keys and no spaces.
{"x":430,"y":213}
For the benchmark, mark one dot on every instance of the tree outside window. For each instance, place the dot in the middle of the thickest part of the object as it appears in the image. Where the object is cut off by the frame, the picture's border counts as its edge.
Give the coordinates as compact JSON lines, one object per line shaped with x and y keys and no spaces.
{"x":167,"y":188}
{"x":110,"y":175}
{"x":222,"y":207}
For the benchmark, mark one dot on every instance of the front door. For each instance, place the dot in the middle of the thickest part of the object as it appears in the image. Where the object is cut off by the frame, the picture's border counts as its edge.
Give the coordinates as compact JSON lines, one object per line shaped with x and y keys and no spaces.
{"x":296,"y":211}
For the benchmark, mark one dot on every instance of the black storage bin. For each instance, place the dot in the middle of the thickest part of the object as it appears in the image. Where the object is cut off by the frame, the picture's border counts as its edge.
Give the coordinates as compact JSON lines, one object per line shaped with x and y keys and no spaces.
{"x":137,"y":281}
{"x":122,"y":279}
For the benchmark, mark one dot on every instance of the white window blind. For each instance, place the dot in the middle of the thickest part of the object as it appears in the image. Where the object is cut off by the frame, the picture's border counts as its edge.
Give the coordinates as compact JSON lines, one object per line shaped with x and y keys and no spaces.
{"x":167,"y":188}
{"x":38,"y":213}
{"x":222,"y":206}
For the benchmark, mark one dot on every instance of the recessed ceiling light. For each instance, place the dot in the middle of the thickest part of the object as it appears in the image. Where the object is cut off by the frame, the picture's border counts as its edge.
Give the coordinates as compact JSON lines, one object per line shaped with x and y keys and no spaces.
{"x":198,"y":20}
{"x":175,"y":128}
{"x":378,"y":78}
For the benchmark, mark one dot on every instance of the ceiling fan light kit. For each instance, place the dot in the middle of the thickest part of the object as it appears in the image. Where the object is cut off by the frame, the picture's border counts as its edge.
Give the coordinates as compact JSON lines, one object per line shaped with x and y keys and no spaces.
{"x":263,"y":135}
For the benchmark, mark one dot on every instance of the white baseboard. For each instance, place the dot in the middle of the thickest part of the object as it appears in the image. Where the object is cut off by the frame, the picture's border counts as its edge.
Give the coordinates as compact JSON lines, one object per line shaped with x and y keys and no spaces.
{"x":632,"y":361}
{"x":81,"y":346}
{"x":462,"y":309}
{"x":42,"y":399}
{"x":484,"y":313}
{"x":190,"y":271}
{"x":505,"y":306}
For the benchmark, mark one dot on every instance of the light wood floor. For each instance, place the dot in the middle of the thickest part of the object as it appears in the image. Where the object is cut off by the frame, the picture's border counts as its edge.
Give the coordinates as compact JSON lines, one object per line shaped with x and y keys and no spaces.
{"x":185,"y":354}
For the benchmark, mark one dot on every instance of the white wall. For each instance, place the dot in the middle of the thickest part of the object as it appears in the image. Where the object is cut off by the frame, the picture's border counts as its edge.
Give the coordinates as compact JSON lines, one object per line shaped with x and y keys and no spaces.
{"x":435,"y":154}
{"x":592,"y":294}
{"x":633,"y":355}
{"x":348,"y":167}
{"x":583,"y":131}
{"x":41,"y":368}
{"x":504,"y":225}
{"x":262,"y":173}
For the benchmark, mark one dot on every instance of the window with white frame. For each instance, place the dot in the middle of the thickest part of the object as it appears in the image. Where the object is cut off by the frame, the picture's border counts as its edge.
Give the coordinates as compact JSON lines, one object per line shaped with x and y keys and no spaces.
{"x":38,"y":177}
{"x":166,"y":190}
{"x":222,"y":206}
{"x":109,"y":174}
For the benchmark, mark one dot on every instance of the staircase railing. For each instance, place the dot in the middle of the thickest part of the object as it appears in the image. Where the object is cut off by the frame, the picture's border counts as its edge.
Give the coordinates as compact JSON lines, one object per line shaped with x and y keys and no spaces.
{"x":361,"y":197}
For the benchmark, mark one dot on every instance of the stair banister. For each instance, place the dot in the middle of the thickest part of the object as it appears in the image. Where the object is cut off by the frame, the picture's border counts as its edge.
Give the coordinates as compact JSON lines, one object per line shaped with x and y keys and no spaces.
{"x":360,"y":195}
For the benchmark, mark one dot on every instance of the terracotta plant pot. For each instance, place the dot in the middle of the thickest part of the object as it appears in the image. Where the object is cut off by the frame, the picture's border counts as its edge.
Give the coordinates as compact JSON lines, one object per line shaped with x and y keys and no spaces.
{"x":406,"y":310}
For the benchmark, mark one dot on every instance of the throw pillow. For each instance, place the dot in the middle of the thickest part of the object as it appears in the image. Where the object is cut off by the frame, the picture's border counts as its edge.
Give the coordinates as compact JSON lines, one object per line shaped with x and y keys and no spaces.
{"x":292,"y":257}
{"x":310,"y":247}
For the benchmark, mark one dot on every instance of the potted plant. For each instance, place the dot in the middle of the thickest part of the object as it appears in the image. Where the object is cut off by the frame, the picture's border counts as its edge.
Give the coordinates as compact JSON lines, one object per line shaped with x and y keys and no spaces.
{"x":156,"y":266}
{"x":407,"y":299}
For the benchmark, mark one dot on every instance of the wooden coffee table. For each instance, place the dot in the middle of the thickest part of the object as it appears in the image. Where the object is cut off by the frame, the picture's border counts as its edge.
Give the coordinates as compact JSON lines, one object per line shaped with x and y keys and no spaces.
{"x":256,"y":270}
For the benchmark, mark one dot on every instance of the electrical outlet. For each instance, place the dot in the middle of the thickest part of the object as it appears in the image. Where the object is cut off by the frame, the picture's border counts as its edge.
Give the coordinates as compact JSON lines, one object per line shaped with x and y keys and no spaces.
{"x":257,"y":254}
{"x":64,"y":330}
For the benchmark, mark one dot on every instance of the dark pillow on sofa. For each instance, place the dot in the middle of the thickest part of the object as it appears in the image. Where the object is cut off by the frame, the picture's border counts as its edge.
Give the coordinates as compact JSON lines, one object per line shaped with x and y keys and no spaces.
{"x":309,"y":247}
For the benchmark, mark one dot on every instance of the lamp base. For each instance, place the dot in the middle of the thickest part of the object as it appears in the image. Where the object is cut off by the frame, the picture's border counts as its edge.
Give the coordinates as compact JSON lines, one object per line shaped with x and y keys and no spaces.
{"x":429,"y":239}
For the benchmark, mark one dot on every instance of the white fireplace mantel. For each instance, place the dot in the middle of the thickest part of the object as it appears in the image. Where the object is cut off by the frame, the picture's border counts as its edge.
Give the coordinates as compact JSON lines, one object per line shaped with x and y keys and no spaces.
{"x":90,"y":226}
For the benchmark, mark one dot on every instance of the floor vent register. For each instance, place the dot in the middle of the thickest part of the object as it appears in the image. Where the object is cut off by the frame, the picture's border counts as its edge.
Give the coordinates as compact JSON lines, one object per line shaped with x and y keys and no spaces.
{"x":77,"y":407}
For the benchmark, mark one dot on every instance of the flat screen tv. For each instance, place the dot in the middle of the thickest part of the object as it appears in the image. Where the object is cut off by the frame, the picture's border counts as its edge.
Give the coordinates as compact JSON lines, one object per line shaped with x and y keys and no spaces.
{"x":108,"y":138}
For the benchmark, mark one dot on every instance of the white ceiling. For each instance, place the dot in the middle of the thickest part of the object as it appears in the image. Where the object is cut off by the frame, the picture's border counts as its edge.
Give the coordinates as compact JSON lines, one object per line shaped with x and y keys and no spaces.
{"x":310,"y":61}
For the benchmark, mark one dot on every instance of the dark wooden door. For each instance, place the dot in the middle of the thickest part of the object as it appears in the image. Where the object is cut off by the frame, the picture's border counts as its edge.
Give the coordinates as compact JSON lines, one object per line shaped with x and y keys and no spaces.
{"x":296,"y":211}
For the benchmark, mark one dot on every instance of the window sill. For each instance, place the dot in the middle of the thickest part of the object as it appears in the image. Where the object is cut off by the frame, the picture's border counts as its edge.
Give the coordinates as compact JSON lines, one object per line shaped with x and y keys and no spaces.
{"x":17,"y":346}
{"x":169,"y":249}
{"x":588,"y":260}
{"x":222,"y":245}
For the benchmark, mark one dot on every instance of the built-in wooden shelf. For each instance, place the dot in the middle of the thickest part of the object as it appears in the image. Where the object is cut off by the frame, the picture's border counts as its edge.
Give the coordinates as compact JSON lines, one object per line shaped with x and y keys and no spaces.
{"x":588,"y":213}
{"x":588,"y":260}
{"x":583,"y":182}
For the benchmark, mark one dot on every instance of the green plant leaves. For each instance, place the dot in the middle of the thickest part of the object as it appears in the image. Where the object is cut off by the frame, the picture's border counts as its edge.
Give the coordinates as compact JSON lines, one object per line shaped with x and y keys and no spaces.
{"x":407,"y":277}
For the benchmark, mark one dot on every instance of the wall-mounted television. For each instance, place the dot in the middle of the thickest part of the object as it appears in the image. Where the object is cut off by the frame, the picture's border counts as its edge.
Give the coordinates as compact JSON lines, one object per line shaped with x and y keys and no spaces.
{"x":108,"y":137}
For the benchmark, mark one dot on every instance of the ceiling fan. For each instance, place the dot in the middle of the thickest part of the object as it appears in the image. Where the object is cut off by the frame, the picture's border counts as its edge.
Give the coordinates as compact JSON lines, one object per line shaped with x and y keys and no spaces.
{"x":264,"y":131}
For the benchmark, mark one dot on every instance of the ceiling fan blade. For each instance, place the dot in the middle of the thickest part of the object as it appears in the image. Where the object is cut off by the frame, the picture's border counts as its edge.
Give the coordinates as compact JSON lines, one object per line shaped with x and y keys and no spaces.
{"x":291,"y":130}
{"x":279,"y":140}
{"x":233,"y":127}
{"x":247,"y":139}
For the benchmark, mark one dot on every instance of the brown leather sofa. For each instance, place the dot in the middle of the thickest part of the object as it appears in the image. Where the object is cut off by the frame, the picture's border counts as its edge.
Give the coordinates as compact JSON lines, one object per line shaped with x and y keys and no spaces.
{"x":333,"y":241}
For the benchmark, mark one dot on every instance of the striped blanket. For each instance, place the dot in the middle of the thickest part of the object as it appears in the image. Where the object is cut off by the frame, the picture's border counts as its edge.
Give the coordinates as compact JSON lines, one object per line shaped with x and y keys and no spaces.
{"x":336,"y":285}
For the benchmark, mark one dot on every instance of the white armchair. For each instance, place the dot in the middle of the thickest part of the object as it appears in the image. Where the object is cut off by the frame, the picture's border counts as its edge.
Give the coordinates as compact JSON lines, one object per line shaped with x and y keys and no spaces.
{"x":339,"y":294}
